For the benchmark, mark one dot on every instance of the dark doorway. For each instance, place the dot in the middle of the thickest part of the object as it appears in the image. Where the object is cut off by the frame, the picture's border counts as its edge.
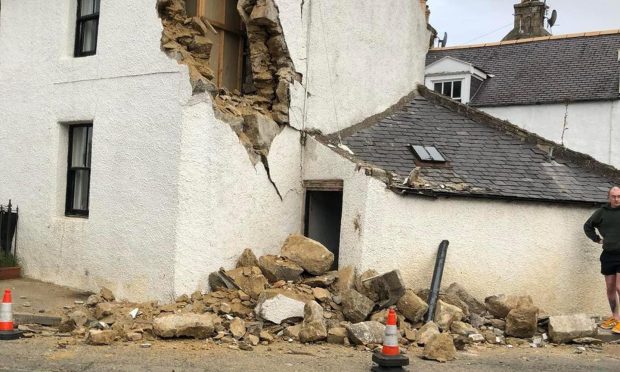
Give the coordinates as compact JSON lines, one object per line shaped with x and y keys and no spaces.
{"x":322,"y":219}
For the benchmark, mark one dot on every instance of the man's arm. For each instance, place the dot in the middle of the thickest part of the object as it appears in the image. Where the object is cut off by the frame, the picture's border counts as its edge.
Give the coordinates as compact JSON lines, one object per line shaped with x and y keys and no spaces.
{"x":593,"y":222}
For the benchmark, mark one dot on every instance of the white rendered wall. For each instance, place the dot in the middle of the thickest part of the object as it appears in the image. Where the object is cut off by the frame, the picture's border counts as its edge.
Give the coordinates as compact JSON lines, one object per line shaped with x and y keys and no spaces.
{"x":495,"y":246}
{"x":363,"y":56}
{"x":131,"y":92}
{"x":593,"y":127}
{"x":226,"y":203}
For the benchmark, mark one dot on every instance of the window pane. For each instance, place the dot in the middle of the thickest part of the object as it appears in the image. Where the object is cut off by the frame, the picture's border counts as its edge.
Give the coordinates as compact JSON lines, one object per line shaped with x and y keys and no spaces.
{"x":230,"y":74}
{"x":215,"y":10}
{"x":89,"y":36}
{"x":79,"y":150}
{"x":80,"y":189}
{"x":421,"y":153}
{"x":447,"y":88}
{"x":437,"y":87}
{"x":88,"y":7}
{"x":434,"y":153}
{"x":191,"y":7}
{"x":456,"y":91}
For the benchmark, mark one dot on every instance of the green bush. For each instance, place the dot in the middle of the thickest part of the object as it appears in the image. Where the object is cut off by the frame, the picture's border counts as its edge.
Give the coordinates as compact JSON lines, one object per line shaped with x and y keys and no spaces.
{"x":8,"y":260}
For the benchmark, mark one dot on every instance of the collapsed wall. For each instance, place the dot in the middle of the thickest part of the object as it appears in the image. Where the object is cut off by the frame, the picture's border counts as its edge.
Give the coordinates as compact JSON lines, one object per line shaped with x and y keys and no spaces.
{"x":261,"y":114}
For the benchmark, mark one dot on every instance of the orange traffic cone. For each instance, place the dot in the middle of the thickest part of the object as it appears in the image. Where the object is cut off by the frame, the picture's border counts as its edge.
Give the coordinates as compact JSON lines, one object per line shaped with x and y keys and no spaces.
{"x":7,"y":331}
{"x":390,"y":358}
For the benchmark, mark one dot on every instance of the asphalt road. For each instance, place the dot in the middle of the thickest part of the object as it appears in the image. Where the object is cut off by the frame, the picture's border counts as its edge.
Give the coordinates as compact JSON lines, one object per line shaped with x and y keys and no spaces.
{"x":67,"y":354}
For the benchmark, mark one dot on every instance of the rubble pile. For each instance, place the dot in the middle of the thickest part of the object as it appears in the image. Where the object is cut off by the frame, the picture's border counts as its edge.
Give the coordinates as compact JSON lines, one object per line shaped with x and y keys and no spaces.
{"x":276,"y":298}
{"x":257,"y":114}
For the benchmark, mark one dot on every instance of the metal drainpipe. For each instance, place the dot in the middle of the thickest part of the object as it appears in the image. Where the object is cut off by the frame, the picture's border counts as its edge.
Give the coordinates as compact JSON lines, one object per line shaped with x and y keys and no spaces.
{"x":436,"y":282}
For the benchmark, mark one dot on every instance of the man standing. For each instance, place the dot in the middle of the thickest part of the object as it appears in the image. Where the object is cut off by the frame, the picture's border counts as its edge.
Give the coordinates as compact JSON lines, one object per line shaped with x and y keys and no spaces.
{"x":607,"y":221}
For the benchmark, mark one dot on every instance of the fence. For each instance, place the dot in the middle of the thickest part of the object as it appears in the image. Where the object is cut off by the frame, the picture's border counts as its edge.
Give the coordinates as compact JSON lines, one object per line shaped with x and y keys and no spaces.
{"x":8,"y":228}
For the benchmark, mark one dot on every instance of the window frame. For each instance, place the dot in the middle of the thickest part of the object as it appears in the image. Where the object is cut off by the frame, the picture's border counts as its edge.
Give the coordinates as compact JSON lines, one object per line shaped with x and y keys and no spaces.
{"x":70,"y":211}
{"x":80,"y":21}
{"x":223,"y":29}
{"x":443,"y":83}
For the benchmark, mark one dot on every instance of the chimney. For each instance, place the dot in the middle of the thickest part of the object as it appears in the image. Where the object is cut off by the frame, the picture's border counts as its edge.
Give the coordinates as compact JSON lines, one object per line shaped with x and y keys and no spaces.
{"x":529,"y":20}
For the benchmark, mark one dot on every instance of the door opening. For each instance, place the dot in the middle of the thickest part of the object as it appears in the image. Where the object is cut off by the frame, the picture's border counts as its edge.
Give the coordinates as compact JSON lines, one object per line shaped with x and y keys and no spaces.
{"x":322,"y":219}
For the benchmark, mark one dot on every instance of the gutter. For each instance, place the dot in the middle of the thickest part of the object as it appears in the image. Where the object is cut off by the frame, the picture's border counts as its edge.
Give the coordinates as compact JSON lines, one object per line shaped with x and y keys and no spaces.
{"x":431,"y":193}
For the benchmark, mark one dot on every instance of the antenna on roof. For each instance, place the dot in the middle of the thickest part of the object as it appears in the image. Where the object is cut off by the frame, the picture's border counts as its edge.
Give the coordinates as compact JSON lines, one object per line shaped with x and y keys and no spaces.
{"x":551,"y":20}
{"x":442,"y":42}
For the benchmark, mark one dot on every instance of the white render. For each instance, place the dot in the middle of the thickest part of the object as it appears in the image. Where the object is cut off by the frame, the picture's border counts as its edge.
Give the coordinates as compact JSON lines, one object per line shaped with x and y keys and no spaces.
{"x":591,"y":127}
{"x":173,"y":193}
{"x":495,"y":246}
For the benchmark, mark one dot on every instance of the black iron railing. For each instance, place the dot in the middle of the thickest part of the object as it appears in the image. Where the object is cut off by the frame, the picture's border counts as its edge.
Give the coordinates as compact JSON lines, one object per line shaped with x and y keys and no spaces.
{"x":8,"y":228}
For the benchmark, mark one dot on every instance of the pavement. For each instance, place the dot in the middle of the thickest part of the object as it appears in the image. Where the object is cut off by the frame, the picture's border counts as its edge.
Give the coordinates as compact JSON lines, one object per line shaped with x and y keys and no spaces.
{"x":35,"y":301}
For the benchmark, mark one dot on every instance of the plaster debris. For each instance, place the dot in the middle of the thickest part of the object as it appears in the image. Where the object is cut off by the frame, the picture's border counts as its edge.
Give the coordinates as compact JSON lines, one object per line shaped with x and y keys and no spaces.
{"x":248,"y":311}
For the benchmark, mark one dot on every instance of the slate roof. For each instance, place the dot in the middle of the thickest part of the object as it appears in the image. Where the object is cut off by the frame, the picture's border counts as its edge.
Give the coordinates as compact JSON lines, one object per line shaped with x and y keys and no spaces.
{"x":487,"y":157}
{"x":543,"y":70}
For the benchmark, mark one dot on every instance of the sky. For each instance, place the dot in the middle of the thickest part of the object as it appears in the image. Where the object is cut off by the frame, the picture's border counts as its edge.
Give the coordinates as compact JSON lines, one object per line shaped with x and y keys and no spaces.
{"x":483,"y":21}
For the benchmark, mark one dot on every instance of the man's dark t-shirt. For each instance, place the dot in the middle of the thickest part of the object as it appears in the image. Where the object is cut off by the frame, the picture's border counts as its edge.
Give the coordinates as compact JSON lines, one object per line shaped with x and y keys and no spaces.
{"x":607,"y":221}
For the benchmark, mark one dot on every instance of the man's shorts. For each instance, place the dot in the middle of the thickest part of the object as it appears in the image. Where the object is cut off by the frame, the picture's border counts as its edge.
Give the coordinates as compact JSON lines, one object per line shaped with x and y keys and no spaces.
{"x":610,"y":263}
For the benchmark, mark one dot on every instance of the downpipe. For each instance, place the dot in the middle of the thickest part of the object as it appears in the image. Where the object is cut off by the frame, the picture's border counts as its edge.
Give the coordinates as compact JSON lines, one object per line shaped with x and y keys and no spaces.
{"x":436,"y":281}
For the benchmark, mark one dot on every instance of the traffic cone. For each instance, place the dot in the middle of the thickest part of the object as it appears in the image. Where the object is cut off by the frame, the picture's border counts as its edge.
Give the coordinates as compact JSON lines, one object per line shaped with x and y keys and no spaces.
{"x":390,"y":358}
{"x":7,"y":331}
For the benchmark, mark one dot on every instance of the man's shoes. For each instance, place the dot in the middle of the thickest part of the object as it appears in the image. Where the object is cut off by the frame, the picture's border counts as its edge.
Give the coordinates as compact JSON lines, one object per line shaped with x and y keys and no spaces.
{"x":610,"y":323}
{"x":616,"y":329}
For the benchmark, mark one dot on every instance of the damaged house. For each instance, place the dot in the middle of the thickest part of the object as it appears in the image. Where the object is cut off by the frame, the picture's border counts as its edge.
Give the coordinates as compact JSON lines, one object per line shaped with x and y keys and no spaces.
{"x":148,"y":143}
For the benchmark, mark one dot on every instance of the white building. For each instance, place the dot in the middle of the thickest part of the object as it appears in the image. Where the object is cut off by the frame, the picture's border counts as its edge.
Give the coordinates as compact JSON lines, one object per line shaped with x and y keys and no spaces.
{"x":137,"y":172}
{"x":170,"y":192}
{"x":564,"y":87}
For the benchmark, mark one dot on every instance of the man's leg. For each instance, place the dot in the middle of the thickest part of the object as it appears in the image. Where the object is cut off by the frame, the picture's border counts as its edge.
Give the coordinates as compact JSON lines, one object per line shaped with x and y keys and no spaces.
{"x":612,"y":282}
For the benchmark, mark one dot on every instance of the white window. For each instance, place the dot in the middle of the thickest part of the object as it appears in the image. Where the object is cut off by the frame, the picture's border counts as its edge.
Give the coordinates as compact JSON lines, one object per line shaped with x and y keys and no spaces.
{"x":451,"y":89}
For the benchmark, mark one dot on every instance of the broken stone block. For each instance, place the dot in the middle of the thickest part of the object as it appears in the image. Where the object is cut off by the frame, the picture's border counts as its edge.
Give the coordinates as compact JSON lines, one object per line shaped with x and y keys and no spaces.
{"x":389,"y":287}
{"x":313,"y":327}
{"x":308,"y":253}
{"x":237,"y":328}
{"x":522,"y":322}
{"x":366,"y":333}
{"x":93,"y":300}
{"x":427,"y":331}
{"x":277,"y":307}
{"x":411,"y":334}
{"x":337,"y":335}
{"x":446,"y":314}
{"x":279,"y":268}
{"x":98,"y":337}
{"x":184,"y":325}
{"x":448,"y":298}
{"x":412,"y":306}
{"x":346,"y":279}
{"x":216,"y":282}
{"x":440,"y":348}
{"x":260,"y":129}
{"x":323,"y":281}
{"x":102,"y":310}
{"x":321,"y":294}
{"x":355,"y":306}
{"x":293,"y":331}
{"x":266,"y":336}
{"x":252,"y":340}
{"x":182,"y":299}
{"x":264,"y":13}
{"x":249,"y":279}
{"x":79,"y":317}
{"x":247,"y":259}
{"x":364,"y":287}
{"x":500,"y":305}
{"x":565,"y":328}
{"x":462,"y":328}
{"x":476,"y":337}
{"x":474,"y":306}
{"x":106,"y":294}
{"x":134,"y":336}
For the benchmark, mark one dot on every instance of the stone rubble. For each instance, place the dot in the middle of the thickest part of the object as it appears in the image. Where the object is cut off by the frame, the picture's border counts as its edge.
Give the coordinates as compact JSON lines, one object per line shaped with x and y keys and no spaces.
{"x":247,"y":311}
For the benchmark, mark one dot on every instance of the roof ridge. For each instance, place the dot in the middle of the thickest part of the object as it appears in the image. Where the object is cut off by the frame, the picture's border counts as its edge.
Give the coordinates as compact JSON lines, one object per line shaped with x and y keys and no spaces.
{"x":559,"y":151}
{"x":532,"y":39}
